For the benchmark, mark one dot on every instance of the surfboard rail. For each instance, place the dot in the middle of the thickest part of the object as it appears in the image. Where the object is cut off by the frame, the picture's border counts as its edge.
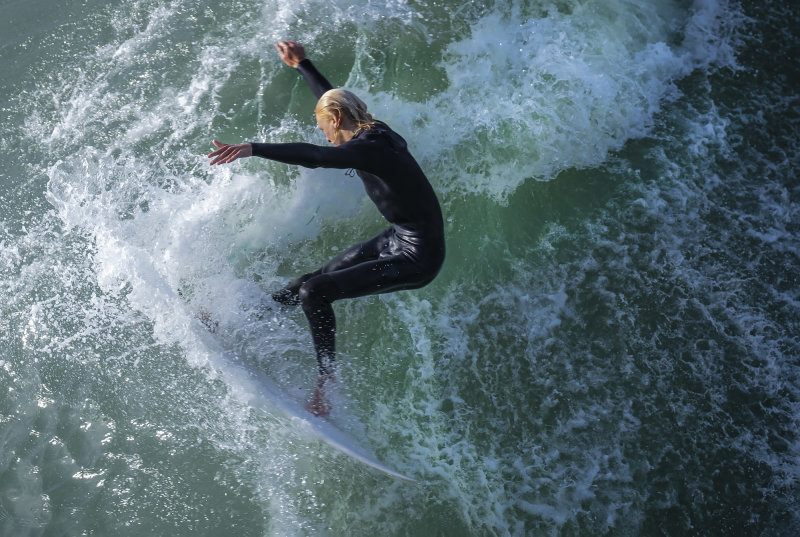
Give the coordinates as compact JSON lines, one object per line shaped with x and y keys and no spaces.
{"x":265,"y":393}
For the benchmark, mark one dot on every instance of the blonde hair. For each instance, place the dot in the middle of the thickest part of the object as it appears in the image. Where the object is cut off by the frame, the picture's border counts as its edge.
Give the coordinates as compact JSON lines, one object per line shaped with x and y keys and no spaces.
{"x":347,"y":104}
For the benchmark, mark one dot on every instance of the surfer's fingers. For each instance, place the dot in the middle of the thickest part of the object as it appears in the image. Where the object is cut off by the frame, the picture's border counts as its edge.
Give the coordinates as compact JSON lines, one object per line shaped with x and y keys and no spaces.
{"x":229,"y":156}
{"x":220,"y":148}
{"x":290,"y":52}
{"x":221,"y":156}
{"x":283,"y":50}
{"x":228,"y":153}
{"x":223,"y":153}
{"x":217,"y":158}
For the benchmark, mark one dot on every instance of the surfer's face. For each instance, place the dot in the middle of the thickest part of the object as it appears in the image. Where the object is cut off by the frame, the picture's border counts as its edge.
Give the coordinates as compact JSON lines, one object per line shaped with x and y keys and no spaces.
{"x":330,"y":127}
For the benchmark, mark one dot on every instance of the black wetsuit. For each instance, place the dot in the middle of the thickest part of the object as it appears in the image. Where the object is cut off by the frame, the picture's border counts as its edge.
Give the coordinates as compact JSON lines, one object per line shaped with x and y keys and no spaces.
{"x":407,"y":255}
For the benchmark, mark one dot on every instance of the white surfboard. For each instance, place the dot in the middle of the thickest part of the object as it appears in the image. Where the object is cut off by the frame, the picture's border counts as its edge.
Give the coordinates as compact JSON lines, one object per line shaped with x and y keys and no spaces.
{"x":266,"y":393}
{"x":263,"y":392}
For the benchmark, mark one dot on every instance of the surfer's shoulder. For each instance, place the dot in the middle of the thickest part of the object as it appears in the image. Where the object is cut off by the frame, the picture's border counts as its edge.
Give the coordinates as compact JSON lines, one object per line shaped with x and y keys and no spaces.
{"x":380,"y":132}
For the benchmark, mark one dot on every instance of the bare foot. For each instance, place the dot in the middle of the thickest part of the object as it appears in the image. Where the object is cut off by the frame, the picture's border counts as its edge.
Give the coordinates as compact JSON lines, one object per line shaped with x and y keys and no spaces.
{"x":319,"y":404}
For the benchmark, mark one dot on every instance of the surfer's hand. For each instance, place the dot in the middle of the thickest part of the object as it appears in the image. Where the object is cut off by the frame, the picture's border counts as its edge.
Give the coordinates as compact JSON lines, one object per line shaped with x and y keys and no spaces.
{"x":291,"y":52}
{"x":319,"y":404}
{"x":227,"y":153}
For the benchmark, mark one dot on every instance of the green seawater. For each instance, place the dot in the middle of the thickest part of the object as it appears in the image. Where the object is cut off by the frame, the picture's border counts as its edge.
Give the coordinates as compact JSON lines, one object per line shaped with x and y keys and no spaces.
{"x":610,"y":349}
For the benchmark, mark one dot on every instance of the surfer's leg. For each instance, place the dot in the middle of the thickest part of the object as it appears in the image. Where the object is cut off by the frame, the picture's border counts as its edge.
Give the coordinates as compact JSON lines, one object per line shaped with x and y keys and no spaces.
{"x":358,"y":271}
{"x":365,"y":251}
{"x":316,"y":295}
{"x":375,"y":276}
{"x":317,"y":291}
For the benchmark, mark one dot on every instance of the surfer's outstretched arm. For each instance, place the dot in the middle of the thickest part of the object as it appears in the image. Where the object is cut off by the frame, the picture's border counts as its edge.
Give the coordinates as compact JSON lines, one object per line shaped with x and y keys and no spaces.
{"x":294,"y":55}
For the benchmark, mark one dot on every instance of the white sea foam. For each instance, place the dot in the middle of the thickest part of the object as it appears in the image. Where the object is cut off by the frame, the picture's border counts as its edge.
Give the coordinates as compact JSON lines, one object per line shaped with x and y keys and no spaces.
{"x":528,"y":98}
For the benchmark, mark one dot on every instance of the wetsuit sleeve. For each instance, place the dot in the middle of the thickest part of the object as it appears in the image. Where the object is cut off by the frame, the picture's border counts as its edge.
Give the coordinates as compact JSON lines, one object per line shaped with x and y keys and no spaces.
{"x":350,"y":155}
{"x":318,"y":83}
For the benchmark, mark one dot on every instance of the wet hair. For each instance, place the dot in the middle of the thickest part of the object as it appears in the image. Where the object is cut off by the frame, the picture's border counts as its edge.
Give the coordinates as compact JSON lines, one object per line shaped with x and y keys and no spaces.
{"x":347,"y":104}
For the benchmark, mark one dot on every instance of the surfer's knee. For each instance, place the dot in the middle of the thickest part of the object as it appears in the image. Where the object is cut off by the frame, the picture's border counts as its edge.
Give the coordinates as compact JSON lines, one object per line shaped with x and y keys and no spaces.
{"x":290,"y":295}
{"x":317,"y":291}
{"x":307,"y":296}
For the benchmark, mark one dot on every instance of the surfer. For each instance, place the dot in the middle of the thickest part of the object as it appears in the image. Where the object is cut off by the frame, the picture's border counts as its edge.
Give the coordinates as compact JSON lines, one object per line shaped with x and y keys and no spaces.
{"x":407,"y":255}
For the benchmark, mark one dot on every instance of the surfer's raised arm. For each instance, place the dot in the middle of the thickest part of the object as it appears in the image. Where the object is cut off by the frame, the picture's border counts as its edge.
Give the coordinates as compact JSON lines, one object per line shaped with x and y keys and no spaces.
{"x":291,"y":52}
{"x":294,"y":55}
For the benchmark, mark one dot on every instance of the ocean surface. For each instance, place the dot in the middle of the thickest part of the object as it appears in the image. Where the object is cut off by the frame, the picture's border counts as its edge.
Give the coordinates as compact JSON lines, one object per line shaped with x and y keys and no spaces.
{"x":612,"y":347}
